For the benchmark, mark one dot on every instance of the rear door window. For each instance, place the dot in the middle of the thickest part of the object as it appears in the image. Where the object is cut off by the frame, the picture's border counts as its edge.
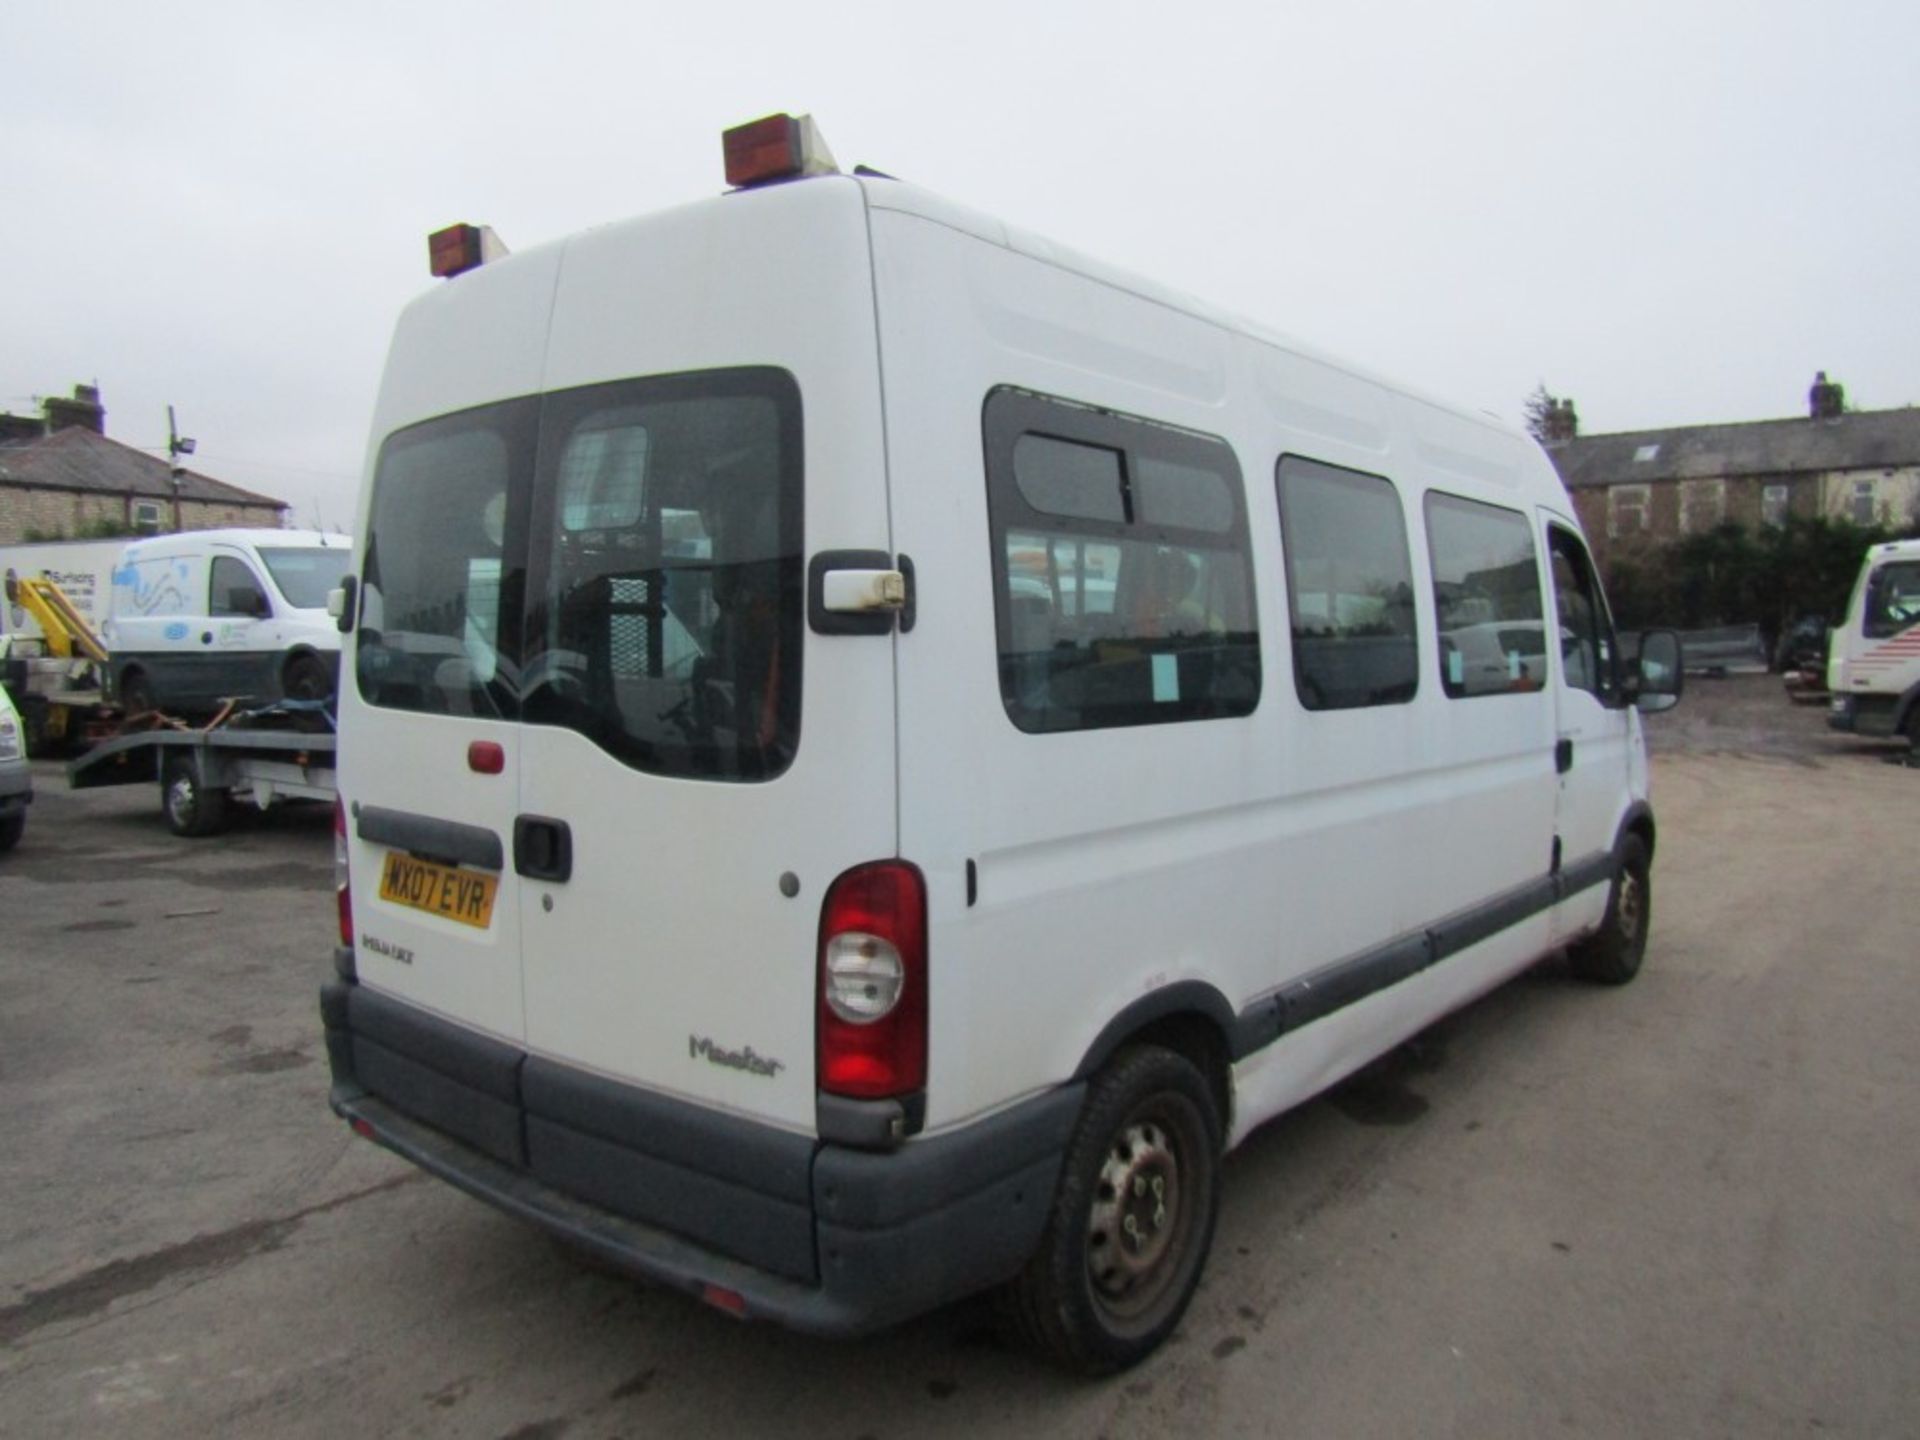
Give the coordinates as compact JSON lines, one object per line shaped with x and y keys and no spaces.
{"x":623,"y":560}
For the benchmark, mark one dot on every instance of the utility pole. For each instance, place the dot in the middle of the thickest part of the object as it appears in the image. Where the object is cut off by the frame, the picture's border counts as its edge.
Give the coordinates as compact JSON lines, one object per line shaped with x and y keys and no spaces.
{"x":177,"y":445}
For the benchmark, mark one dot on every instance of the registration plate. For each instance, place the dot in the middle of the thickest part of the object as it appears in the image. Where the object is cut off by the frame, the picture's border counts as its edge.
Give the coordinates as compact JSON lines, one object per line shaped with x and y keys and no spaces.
{"x":443,"y":890}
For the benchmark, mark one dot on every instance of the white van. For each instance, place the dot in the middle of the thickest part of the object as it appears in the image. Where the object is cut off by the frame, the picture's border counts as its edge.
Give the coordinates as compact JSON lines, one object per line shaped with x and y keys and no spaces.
{"x":874,"y":749}
{"x":208,"y":615}
{"x":1873,"y":657}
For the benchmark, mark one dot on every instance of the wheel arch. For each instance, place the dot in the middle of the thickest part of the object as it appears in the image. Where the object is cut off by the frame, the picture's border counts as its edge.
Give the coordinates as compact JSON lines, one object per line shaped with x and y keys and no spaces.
{"x":1637,"y":821}
{"x":1190,"y":1018}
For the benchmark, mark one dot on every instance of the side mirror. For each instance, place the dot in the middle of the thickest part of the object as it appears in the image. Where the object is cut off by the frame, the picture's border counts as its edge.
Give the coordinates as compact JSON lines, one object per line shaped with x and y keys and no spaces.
{"x":340,"y":604}
{"x":245,"y":600}
{"x":1658,"y":672}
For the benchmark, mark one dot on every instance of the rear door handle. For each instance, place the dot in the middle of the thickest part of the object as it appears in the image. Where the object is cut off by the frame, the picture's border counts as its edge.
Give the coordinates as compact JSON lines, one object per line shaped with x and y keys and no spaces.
{"x":1563,"y":757}
{"x":542,"y":848}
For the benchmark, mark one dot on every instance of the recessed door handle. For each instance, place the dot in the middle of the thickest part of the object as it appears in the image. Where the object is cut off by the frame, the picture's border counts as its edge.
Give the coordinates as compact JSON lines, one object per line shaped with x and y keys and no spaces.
{"x":542,"y":848}
{"x":1563,"y":757}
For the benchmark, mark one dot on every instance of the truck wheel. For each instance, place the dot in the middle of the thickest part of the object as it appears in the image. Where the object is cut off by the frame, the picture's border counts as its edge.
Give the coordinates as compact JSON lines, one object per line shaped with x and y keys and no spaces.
{"x":1612,"y":954}
{"x":136,"y":692}
{"x":1132,"y":1218}
{"x":305,"y":678}
{"x":192,"y":809}
{"x":11,"y":829}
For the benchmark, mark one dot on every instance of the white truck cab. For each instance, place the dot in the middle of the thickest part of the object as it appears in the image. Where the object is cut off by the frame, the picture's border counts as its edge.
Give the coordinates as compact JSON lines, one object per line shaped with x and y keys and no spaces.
{"x":16,"y":776}
{"x":875,"y":748}
{"x":1873,"y":659}
{"x":204,"y":616}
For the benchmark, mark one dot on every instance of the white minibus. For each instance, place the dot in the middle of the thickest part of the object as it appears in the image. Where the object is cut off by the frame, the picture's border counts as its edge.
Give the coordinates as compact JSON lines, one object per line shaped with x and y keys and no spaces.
{"x":874,"y":749}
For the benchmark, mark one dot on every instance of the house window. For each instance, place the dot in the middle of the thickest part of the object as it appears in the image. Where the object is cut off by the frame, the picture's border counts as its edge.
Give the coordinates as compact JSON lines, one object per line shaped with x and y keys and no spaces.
{"x":1774,"y":501}
{"x":1703,"y":505}
{"x":1864,"y":507}
{"x":146,"y":515}
{"x":1627,"y":509}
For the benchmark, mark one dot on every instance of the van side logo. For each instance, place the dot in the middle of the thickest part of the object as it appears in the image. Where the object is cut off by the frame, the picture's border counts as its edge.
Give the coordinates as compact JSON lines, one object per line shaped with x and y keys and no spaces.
{"x":747,"y":1059}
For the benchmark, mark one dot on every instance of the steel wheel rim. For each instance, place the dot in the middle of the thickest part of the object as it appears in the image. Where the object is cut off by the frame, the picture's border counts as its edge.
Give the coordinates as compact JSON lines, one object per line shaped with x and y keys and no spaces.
{"x":1140,"y":1223}
{"x":180,"y":801}
{"x":1630,"y":905}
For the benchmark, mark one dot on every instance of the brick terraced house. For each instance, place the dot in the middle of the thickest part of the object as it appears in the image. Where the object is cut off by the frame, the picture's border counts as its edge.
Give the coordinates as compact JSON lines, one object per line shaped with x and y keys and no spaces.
{"x":60,"y":476}
{"x":1645,"y":488}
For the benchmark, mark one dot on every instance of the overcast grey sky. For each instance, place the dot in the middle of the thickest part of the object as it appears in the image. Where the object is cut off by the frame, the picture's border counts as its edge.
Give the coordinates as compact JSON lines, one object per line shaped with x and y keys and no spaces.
{"x":1672,"y":212}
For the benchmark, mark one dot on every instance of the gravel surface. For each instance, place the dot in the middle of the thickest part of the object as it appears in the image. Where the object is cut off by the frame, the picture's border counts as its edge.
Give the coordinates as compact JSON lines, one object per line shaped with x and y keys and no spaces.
{"x":1685,"y":1207}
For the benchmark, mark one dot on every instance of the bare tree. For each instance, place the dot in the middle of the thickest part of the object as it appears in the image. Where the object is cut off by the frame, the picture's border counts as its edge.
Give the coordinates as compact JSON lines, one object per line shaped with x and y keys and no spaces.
{"x":1540,"y":408}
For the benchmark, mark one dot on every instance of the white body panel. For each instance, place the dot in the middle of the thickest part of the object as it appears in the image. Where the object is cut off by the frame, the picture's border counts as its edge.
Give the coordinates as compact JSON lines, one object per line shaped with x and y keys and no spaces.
{"x":673,"y":927}
{"x":1106,"y":864}
{"x":83,"y":569}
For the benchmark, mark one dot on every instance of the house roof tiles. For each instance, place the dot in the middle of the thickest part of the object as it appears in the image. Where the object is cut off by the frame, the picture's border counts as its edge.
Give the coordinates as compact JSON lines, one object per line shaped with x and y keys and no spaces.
{"x":1861,"y":440}
{"x":77,"y":458}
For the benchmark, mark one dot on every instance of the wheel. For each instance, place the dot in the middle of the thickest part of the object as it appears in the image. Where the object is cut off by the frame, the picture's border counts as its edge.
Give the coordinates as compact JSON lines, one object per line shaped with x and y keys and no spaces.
{"x":306,"y":678}
{"x":136,"y":692}
{"x":11,"y":829}
{"x":1131,"y":1221}
{"x":192,"y":809}
{"x":1612,"y":954}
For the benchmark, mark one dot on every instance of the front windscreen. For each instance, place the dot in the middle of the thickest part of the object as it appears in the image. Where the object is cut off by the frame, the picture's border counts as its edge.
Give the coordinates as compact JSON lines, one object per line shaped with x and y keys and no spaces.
{"x":304,"y":574}
{"x":622,"y":560}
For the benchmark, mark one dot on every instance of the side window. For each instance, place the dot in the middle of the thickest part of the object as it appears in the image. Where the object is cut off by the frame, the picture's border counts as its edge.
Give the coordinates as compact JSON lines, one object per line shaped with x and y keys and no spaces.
{"x":1486,"y":592}
{"x":1586,"y":634}
{"x":235,"y":591}
{"x":1349,"y":587}
{"x":1123,"y":579}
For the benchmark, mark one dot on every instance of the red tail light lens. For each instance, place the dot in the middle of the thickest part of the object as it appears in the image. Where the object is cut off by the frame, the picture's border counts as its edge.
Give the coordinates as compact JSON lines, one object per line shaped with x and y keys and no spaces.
{"x":342,"y":890}
{"x":872,"y":983}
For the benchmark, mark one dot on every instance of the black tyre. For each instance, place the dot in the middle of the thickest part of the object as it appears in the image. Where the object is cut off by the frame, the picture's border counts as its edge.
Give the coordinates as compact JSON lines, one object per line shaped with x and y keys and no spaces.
{"x":1612,"y":954}
{"x":192,"y":809}
{"x":306,"y":678}
{"x":11,"y":829}
{"x":1132,"y":1218}
{"x":136,"y":691}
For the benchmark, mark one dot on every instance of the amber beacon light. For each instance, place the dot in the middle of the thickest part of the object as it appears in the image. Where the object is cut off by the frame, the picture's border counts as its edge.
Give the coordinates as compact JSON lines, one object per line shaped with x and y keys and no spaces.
{"x":779,"y":147}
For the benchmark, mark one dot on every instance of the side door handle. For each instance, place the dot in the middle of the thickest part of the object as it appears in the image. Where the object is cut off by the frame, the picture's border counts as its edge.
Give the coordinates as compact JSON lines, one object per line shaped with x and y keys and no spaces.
{"x":542,"y":848}
{"x":1563,"y":756}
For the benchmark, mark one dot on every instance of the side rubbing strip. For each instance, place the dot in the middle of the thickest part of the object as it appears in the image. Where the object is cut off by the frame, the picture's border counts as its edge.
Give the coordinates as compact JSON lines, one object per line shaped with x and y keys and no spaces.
{"x":1584,"y":875}
{"x":1349,"y":981}
{"x":1470,"y":927}
{"x":1335,"y":986}
{"x":429,"y":838}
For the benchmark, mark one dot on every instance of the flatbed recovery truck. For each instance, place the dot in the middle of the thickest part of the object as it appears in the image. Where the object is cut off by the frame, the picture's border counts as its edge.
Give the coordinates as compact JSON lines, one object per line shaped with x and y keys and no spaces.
{"x":257,"y":755}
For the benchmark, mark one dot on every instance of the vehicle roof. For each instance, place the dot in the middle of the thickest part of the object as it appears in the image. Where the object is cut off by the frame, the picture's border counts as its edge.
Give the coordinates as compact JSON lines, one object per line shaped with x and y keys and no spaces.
{"x":271,"y":539}
{"x":882,"y":193}
{"x":897,"y":195}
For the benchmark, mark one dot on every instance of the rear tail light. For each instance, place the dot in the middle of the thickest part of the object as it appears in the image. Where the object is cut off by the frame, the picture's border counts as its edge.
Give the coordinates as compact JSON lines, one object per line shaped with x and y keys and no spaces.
{"x":873,"y":983}
{"x":342,"y":888}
